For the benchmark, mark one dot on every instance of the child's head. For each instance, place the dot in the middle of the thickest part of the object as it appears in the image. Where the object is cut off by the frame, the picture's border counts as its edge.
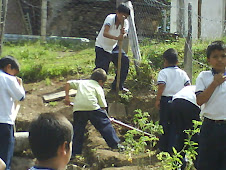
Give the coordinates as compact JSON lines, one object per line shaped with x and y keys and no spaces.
{"x":216,"y":55}
{"x":10,"y":65}
{"x":121,"y":11}
{"x":170,"y":57}
{"x":50,"y":137}
{"x":99,"y":75}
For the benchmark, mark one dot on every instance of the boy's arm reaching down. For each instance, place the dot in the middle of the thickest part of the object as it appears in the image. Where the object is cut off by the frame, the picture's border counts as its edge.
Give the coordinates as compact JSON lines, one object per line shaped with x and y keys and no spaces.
{"x":67,"y":98}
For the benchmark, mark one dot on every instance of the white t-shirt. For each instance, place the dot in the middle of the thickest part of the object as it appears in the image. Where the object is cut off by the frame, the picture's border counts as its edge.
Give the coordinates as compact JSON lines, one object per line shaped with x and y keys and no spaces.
{"x":215,"y":108}
{"x":174,"y":78}
{"x":90,"y":95}
{"x":106,"y":43}
{"x":10,"y":91}
{"x":187,"y":93}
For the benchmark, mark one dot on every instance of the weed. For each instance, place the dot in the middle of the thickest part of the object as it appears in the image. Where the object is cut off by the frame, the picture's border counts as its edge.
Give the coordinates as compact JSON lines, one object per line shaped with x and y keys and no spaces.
{"x":53,"y":103}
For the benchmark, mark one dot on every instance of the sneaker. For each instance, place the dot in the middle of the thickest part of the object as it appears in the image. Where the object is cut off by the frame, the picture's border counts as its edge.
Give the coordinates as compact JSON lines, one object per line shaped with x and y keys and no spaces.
{"x":118,"y":148}
{"x":125,"y":89}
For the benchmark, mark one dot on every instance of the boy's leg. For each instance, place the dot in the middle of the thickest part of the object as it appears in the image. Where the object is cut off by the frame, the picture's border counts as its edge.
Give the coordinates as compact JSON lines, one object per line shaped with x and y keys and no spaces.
{"x":209,"y":146}
{"x":164,"y":120}
{"x":124,"y":67}
{"x":102,"y":123}
{"x":6,"y":143}
{"x":79,"y":124}
{"x":103,"y":59}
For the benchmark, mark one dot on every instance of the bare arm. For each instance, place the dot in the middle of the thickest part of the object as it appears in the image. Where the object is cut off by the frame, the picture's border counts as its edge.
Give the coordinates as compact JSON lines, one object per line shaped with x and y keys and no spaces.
{"x":161,"y":88}
{"x":67,"y":98}
{"x":207,"y":93}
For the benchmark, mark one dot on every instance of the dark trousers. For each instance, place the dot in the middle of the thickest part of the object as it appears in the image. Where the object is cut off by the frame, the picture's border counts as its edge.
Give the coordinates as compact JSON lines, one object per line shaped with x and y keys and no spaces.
{"x":104,"y":58}
{"x":6,"y":143}
{"x":165,"y":119}
{"x":212,"y":146}
{"x":183,"y":113}
{"x":100,"y":121}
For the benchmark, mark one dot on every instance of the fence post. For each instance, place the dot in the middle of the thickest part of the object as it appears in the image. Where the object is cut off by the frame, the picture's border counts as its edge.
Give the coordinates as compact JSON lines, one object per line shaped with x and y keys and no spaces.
{"x":43,"y":21}
{"x":3,"y":12}
{"x":164,"y":20}
{"x":180,"y":22}
{"x":188,"y":45}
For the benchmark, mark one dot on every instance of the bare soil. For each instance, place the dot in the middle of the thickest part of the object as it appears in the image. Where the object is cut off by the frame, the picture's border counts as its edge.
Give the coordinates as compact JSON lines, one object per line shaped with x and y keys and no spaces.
{"x":97,"y":155}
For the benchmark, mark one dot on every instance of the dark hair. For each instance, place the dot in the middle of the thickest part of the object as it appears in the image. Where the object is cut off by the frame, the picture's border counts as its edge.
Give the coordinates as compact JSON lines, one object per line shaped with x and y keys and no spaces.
{"x":123,"y":9}
{"x":171,"y":56}
{"x":9,"y":60}
{"x":99,"y":74}
{"x":47,"y":133}
{"x":216,"y":45}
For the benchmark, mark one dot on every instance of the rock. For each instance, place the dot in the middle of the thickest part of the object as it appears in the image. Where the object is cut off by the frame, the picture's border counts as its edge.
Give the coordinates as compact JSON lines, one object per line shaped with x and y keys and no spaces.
{"x":21,"y":141}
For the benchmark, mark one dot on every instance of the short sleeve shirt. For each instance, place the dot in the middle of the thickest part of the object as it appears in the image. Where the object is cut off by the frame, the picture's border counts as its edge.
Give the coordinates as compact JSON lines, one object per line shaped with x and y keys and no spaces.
{"x":174,"y":79}
{"x":106,"y":43}
{"x":215,"y":107}
{"x":39,"y":168}
{"x":10,"y":91}
{"x":90,"y":95}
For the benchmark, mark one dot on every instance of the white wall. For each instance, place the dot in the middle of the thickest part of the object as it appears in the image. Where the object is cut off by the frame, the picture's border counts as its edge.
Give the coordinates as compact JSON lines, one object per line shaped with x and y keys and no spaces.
{"x":212,"y":18}
{"x":212,"y":21}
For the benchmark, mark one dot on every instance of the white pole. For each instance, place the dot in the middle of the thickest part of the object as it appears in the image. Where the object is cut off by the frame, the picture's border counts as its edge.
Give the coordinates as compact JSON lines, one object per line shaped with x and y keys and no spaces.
{"x":43,"y":20}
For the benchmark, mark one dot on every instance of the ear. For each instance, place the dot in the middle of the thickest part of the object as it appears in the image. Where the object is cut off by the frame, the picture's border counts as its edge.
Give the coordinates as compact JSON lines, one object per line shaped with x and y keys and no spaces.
{"x":62,"y":150}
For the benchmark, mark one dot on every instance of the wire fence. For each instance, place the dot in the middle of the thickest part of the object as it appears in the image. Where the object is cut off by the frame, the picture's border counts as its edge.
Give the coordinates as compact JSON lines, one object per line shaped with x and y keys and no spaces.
{"x":84,"y":18}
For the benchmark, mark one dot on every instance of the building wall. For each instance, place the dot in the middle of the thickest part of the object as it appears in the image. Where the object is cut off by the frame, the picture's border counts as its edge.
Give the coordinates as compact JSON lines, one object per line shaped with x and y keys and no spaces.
{"x":14,"y":21}
{"x":212,"y":21}
{"x":212,"y":18}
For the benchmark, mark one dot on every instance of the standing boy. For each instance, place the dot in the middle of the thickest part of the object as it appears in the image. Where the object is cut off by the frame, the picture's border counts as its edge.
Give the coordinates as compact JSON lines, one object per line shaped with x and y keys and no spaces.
{"x":171,"y":79}
{"x":211,"y":94}
{"x":11,"y":90}
{"x":106,"y":44}
{"x":50,"y":138}
{"x":90,"y":104}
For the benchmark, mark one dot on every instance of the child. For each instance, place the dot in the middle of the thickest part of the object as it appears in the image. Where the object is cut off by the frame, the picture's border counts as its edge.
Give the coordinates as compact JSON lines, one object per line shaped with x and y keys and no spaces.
{"x":211,"y":94}
{"x":50,"y":138}
{"x":90,"y":104}
{"x":106,"y":44}
{"x":171,"y":79}
{"x":184,"y":110}
{"x":11,"y":90}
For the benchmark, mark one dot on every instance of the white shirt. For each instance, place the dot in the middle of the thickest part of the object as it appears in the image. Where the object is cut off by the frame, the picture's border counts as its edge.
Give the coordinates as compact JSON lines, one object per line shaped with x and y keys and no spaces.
{"x":215,"y":108}
{"x":10,"y":91}
{"x":187,"y":93}
{"x":106,"y":43}
{"x":174,"y":79}
{"x":90,"y":95}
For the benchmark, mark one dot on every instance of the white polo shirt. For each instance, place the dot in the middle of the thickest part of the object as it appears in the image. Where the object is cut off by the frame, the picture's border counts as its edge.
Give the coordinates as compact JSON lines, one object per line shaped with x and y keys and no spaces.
{"x":106,"y":43}
{"x":187,"y":93}
{"x":215,"y":108}
{"x":90,"y":95}
{"x":174,"y":79}
{"x":10,"y":91}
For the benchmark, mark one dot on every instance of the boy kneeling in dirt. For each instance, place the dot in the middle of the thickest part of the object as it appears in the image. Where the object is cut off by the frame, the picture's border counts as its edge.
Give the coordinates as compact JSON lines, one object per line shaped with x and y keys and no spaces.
{"x":90,"y":104}
{"x":50,"y":138}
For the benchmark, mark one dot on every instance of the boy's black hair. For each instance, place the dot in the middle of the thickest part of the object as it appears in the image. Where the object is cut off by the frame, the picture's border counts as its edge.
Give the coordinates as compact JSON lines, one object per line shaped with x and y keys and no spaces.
{"x":216,"y":45}
{"x":171,"y":56}
{"x":99,"y":74}
{"x":123,"y":9}
{"x":47,"y":133}
{"x":9,"y":60}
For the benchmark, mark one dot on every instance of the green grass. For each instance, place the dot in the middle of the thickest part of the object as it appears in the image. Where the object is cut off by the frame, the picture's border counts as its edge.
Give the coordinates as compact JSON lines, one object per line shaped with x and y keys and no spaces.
{"x":45,"y":61}
{"x":40,"y":61}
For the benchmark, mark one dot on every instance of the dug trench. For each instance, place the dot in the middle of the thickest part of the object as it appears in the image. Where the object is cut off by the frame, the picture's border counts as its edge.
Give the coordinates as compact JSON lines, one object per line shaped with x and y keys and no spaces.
{"x":96,"y":154}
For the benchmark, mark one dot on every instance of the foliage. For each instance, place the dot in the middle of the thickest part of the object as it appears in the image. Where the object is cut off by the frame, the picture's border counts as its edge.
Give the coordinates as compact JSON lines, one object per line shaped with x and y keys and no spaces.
{"x":125,"y":97}
{"x":137,"y":142}
{"x":173,"y":161}
{"x":40,"y":61}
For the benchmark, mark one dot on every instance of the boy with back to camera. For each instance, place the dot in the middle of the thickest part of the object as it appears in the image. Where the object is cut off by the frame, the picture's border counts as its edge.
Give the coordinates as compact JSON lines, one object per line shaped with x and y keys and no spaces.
{"x":211,"y":94}
{"x":106,"y":44}
{"x":11,"y":90}
{"x":90,"y":104}
{"x":171,"y":79}
{"x":50,"y":138}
